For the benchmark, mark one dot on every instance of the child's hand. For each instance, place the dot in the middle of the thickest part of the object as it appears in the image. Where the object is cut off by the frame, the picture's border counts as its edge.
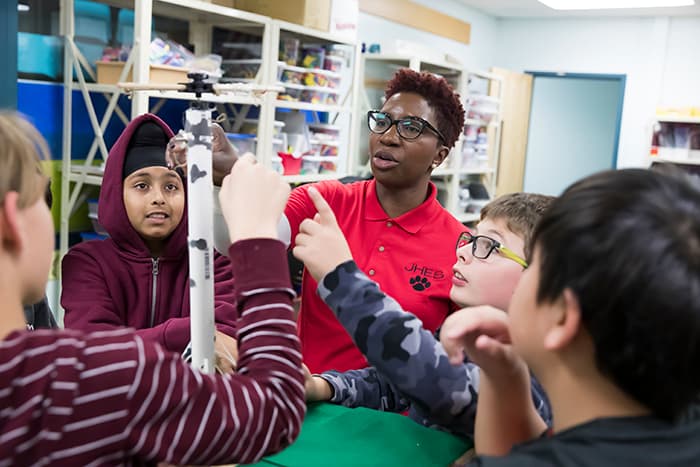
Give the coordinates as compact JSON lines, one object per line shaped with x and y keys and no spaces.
{"x":317,"y":389}
{"x":252,"y":200}
{"x":320,"y":244}
{"x":482,"y":334}
{"x":223,"y":153}
{"x":226,"y":350}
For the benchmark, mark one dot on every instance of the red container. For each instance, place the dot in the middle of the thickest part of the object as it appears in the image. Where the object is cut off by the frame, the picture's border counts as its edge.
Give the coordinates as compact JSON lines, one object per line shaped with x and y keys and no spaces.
{"x":291,"y":164}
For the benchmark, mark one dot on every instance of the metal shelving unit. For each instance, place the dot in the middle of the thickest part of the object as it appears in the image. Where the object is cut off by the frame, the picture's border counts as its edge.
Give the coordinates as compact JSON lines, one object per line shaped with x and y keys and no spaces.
{"x":480,"y":159}
{"x":202,"y":17}
{"x":342,"y":114}
{"x":676,"y":140}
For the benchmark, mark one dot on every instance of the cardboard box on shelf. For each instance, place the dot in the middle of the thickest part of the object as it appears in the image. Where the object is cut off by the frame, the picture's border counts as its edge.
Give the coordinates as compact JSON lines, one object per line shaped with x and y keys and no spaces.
{"x":310,"y":13}
{"x":108,"y":73}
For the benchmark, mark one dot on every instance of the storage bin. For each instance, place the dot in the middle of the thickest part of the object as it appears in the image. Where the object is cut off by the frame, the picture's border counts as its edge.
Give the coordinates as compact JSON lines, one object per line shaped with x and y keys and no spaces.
{"x":324,"y":139}
{"x":316,"y":77}
{"x":290,"y":93}
{"x":312,"y":95}
{"x":312,"y":56}
{"x":243,"y":142}
{"x":328,"y":165}
{"x":310,"y":165}
{"x":334,"y":63}
{"x":39,"y":55}
{"x":324,"y":144}
{"x":108,"y":73}
{"x":277,"y":165}
{"x":241,"y":69}
{"x":321,"y":79}
{"x":292,"y":76}
{"x":279,"y":143}
{"x":250,"y":126}
{"x":289,"y":50}
{"x":325,"y":128}
{"x":298,"y":144}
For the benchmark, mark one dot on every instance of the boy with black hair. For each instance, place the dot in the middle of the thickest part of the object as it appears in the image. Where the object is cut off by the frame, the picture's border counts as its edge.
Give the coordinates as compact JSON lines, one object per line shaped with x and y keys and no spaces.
{"x":607,"y":317}
{"x":113,"y":398}
{"x":410,"y":368}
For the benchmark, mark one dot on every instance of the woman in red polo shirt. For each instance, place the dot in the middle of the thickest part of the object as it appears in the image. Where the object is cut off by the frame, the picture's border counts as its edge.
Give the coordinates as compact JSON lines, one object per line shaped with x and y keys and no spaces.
{"x":398,"y":232}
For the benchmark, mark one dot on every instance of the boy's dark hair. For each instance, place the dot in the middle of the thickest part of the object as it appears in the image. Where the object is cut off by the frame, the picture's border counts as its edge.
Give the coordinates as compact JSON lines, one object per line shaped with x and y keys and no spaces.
{"x":520,"y":212}
{"x":448,"y":109}
{"x":627,"y":243}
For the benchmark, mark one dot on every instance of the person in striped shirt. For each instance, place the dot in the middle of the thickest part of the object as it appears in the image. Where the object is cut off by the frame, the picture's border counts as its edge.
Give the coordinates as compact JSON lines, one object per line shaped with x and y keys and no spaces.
{"x":113,"y":398}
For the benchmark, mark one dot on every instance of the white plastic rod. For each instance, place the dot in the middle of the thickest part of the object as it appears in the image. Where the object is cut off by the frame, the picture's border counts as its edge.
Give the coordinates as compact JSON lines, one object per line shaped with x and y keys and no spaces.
{"x":200,"y":237}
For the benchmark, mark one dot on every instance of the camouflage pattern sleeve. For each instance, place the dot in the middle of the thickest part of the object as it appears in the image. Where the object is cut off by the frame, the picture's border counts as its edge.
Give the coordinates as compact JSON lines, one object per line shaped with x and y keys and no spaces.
{"x":396,"y":344}
{"x":365,"y":388}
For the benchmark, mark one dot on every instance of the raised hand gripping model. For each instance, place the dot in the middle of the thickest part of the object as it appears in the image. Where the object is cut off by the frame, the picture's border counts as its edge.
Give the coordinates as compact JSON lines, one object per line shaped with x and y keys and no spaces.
{"x":198,"y":135}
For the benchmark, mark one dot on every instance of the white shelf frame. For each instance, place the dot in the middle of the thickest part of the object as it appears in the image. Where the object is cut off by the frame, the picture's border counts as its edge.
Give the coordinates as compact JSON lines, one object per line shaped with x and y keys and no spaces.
{"x":202,"y":16}
{"x":677,"y":119}
{"x":346,"y":163}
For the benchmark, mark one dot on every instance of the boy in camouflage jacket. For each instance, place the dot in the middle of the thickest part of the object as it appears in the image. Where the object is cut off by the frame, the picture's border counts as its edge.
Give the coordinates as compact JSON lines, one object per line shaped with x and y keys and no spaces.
{"x":410,"y":368}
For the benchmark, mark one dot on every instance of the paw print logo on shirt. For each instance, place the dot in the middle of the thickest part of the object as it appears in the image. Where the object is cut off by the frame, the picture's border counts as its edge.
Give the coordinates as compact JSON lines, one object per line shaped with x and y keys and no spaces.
{"x":419,"y":283}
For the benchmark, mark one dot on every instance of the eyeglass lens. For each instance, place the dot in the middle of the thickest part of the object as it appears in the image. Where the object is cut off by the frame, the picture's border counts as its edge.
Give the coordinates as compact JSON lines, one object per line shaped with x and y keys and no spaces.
{"x":409,"y":128}
{"x":481,"y":246}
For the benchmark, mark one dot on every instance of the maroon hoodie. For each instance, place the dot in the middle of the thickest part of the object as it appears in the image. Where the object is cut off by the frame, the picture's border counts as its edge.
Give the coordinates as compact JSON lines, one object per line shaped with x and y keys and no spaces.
{"x":115,"y":282}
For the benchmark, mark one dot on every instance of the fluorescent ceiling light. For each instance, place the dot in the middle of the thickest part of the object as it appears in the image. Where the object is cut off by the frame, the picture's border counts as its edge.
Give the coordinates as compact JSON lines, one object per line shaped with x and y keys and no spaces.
{"x":22,"y":7}
{"x":612,"y":4}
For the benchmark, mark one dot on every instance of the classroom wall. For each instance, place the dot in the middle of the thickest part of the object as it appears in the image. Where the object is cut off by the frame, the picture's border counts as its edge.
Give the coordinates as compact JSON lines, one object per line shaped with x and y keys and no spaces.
{"x":659,"y":56}
{"x":681,"y":76}
{"x":478,"y":54}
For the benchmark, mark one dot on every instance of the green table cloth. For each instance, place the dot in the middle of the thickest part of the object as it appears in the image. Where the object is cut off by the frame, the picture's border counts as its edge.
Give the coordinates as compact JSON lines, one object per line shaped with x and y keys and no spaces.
{"x":334,"y":435}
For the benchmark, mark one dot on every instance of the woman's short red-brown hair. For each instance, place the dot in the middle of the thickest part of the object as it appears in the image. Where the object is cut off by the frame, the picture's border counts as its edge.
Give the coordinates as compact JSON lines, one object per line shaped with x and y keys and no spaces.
{"x":444,"y":101}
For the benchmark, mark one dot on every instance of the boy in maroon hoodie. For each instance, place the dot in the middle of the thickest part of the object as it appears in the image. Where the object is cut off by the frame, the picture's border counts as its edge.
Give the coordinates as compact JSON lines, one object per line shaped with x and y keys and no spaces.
{"x":68,"y":398}
{"x":139,"y":277}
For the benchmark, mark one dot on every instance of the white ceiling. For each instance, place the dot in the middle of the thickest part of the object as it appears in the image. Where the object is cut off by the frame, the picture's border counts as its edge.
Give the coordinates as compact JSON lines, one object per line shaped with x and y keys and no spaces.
{"x":535,"y":9}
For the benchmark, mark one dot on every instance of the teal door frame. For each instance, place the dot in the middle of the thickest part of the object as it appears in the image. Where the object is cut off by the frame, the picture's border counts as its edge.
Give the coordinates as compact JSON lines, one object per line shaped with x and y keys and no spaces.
{"x":621,"y":79}
{"x":8,"y":54}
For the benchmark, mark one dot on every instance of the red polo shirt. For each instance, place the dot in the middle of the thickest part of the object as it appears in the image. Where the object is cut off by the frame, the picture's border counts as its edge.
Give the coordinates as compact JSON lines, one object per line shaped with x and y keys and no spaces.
{"x":410,"y":256}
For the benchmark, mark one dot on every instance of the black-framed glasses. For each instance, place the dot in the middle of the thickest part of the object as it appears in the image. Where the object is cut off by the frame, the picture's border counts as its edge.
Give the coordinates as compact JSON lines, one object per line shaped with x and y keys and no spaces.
{"x":408,"y":127}
{"x":483,"y":246}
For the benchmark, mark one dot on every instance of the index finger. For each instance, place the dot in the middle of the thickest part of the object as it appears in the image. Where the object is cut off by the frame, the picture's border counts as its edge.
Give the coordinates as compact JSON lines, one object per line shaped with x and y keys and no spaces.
{"x":321,"y":205}
{"x":475,"y":321}
{"x":247,"y":159}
